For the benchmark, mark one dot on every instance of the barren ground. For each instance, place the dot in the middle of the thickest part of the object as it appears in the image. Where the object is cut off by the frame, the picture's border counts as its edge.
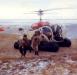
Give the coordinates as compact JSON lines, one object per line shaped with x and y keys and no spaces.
{"x":49,"y":63}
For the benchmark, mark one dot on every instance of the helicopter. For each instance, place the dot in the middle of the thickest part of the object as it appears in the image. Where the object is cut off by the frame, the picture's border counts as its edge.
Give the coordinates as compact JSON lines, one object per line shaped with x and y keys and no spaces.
{"x":40,"y":24}
{"x":46,"y":28}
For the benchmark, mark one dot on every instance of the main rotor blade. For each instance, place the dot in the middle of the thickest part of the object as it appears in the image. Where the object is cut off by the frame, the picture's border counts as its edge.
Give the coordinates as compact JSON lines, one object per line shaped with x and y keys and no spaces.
{"x":53,"y":9}
{"x":57,"y":9}
{"x":30,"y":13}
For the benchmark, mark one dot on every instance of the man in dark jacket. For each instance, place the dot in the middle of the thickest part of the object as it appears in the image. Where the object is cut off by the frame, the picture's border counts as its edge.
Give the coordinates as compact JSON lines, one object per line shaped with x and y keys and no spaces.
{"x":24,"y":45}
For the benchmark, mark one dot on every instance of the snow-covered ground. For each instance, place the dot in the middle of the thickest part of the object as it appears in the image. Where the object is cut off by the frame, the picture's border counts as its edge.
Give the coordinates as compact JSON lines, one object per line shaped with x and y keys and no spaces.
{"x":37,"y":67}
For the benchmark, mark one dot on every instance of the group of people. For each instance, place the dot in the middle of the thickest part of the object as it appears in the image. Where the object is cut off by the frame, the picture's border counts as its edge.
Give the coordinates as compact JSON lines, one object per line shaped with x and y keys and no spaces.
{"x":39,"y":37}
{"x":26,"y":44}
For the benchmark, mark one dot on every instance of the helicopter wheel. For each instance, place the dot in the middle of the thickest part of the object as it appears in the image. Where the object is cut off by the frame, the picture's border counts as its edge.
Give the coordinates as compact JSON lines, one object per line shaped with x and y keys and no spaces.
{"x":49,"y":46}
{"x":65,"y":43}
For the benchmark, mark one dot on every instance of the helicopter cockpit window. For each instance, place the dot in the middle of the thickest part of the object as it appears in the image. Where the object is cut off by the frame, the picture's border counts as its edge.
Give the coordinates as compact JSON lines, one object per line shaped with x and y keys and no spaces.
{"x":46,"y":29}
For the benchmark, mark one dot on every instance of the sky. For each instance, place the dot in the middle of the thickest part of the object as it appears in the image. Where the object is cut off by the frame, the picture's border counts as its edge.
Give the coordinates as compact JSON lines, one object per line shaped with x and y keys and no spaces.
{"x":15,"y":9}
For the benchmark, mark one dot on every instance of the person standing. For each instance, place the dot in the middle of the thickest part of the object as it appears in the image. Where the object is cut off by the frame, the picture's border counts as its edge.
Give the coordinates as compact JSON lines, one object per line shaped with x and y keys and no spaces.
{"x":37,"y":39}
{"x":24,"y":45}
{"x":35,"y":42}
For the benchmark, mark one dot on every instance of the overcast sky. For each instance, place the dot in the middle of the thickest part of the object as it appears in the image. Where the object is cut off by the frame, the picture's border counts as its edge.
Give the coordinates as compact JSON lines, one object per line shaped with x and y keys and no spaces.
{"x":15,"y":9}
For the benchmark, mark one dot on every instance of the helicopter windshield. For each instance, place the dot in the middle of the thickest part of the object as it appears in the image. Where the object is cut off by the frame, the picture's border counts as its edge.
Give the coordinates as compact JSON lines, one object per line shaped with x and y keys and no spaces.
{"x":46,"y":29}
